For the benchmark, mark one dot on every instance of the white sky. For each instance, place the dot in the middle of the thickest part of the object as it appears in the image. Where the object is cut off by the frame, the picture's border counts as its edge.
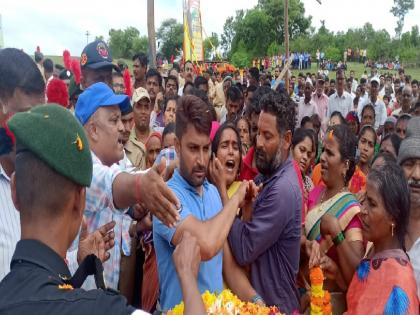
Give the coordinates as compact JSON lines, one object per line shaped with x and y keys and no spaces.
{"x":56,"y":25}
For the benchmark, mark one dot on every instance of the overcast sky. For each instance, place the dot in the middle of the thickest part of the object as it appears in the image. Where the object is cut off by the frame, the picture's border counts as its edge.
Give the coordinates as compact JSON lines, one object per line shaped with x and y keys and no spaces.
{"x":56,"y":25}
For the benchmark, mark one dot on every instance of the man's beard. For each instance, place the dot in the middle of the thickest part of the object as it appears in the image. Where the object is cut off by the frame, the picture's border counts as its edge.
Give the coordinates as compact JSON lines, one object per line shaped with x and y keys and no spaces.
{"x":267,"y":166}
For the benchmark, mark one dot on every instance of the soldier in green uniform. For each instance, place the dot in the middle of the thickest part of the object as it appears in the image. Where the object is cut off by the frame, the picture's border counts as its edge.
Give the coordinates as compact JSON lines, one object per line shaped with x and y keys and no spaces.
{"x":53,"y":169}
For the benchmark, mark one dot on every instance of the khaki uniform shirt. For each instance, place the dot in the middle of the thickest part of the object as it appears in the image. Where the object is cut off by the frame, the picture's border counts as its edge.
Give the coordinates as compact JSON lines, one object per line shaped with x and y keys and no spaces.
{"x":219,"y":100}
{"x":136,"y":151}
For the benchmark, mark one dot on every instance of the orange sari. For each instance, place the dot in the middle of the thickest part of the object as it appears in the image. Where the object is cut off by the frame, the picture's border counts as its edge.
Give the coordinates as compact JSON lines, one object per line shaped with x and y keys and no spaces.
{"x":358,"y":181}
{"x":384,"y":284}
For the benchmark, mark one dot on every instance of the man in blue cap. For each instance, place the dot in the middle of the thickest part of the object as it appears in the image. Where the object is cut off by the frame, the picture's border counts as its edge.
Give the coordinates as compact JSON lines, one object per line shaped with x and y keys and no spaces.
{"x":112,"y":191}
{"x":96,"y":64}
{"x":21,"y":89}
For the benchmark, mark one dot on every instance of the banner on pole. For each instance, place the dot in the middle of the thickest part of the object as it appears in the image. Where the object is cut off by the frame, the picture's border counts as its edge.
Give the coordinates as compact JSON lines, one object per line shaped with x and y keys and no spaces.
{"x":193,"y":38}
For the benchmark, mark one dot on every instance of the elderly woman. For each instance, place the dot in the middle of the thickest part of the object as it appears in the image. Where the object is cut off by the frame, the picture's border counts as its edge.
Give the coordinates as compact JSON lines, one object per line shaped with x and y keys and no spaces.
{"x":384,"y":281}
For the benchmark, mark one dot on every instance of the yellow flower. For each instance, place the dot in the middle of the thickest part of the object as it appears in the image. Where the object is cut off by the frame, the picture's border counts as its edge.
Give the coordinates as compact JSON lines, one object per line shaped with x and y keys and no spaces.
{"x":226,"y":303}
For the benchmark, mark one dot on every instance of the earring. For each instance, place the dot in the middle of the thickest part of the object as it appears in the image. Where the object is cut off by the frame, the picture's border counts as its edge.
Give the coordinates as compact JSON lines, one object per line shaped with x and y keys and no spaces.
{"x":392,"y":229}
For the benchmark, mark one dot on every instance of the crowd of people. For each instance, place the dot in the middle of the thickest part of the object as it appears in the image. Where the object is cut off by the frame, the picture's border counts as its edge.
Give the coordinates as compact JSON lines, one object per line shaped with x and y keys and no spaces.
{"x":141,"y":190}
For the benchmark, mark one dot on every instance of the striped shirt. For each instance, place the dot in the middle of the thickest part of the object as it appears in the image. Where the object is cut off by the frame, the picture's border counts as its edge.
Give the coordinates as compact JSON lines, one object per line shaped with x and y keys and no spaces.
{"x":100,"y":209}
{"x":9,"y":225}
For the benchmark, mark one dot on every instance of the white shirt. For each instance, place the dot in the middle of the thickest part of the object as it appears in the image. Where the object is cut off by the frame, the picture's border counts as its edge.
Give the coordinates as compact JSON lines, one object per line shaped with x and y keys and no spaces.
{"x":354,"y":86}
{"x":380,"y":111}
{"x":306,"y":110}
{"x":414,"y":254}
{"x":99,"y":210}
{"x":342,"y":104}
{"x":9,"y":225}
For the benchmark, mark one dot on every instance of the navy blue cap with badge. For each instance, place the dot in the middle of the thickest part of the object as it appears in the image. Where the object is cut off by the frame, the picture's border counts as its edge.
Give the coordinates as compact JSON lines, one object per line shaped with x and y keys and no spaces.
{"x":96,"y":55}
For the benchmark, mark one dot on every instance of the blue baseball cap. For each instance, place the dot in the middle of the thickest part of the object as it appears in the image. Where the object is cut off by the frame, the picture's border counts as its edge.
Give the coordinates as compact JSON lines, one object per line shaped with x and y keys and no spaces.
{"x":96,"y":55}
{"x":95,"y":96}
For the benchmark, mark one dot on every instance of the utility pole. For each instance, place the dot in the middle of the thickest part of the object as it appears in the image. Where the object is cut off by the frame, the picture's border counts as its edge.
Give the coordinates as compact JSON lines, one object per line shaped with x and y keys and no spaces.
{"x":87,"y":37}
{"x":151,"y":33}
{"x":286,"y":40}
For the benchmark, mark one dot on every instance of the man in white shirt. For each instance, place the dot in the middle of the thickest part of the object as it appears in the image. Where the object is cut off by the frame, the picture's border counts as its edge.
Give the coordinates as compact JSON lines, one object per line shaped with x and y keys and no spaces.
{"x":378,"y":105}
{"x":340,"y":101}
{"x":9,"y":217}
{"x":306,"y":106}
{"x":353,"y":82}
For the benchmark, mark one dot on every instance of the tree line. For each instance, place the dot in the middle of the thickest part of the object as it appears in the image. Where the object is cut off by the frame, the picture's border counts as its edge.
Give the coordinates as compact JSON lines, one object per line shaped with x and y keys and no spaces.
{"x":259,"y":32}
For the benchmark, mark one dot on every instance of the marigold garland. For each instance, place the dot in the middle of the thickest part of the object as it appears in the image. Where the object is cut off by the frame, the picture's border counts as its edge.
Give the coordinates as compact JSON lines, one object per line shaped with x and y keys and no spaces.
{"x":226,"y":303}
{"x":320,"y":298}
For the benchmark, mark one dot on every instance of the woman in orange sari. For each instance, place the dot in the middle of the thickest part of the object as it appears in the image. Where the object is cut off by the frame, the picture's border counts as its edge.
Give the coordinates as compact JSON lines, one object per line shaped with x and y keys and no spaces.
{"x":384,"y":281}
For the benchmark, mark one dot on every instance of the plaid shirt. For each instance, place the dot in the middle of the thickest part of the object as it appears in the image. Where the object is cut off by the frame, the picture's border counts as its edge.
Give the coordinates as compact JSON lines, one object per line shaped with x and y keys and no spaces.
{"x":100,"y":209}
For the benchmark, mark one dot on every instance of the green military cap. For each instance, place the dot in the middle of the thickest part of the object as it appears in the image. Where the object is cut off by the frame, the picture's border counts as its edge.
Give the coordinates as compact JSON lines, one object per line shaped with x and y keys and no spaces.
{"x":54,"y":135}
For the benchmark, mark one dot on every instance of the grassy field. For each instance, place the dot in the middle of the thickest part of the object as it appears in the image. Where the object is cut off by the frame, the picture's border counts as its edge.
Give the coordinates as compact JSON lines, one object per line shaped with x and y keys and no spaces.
{"x":357,"y":67}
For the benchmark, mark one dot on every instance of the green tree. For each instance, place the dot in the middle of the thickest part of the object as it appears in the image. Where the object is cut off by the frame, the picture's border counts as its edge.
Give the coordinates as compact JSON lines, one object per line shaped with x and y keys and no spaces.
{"x":240,"y":58}
{"x":126,"y":43}
{"x":210,"y":44}
{"x":255,"y":31}
{"x":400,"y":10}
{"x":229,"y":31}
{"x":415,"y":36}
{"x":298,"y":23}
{"x":333,"y":53}
{"x":171,"y":35}
{"x":274,"y":49}
{"x":379,"y":47}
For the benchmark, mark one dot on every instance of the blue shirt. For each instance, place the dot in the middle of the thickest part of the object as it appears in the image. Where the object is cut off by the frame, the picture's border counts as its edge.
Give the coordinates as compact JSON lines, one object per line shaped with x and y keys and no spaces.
{"x":270,"y":242}
{"x":202,"y":207}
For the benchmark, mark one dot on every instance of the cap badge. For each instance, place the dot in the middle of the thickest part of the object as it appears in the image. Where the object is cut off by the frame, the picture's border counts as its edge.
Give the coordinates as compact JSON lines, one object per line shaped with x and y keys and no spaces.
{"x":83,"y":59}
{"x":102,"y":50}
{"x":78,"y":142}
{"x":65,"y":287}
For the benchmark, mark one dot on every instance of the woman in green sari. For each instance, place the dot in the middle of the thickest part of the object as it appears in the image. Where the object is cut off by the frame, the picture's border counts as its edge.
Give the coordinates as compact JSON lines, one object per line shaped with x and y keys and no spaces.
{"x":336,"y":244}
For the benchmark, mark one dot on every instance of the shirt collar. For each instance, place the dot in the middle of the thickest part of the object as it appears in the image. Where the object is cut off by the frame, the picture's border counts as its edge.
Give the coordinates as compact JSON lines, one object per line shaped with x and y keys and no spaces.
{"x":3,"y":173}
{"x":184,"y":184}
{"x":37,"y":253}
{"x":95,"y":159}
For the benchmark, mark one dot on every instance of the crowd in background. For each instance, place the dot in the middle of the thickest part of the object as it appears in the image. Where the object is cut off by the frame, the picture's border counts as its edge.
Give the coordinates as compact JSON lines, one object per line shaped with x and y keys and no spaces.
{"x":272,"y":180}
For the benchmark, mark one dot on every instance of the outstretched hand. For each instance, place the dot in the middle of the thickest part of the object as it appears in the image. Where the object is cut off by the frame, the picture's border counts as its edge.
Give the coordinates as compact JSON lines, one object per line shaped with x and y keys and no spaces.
{"x":98,"y":243}
{"x":157,"y":197}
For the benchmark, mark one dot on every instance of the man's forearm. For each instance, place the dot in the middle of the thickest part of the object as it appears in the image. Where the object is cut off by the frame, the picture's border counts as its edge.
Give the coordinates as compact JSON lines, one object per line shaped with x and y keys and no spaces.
{"x":211,"y":234}
{"x":124,"y":190}
{"x":217,"y":229}
{"x":193,"y":304}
